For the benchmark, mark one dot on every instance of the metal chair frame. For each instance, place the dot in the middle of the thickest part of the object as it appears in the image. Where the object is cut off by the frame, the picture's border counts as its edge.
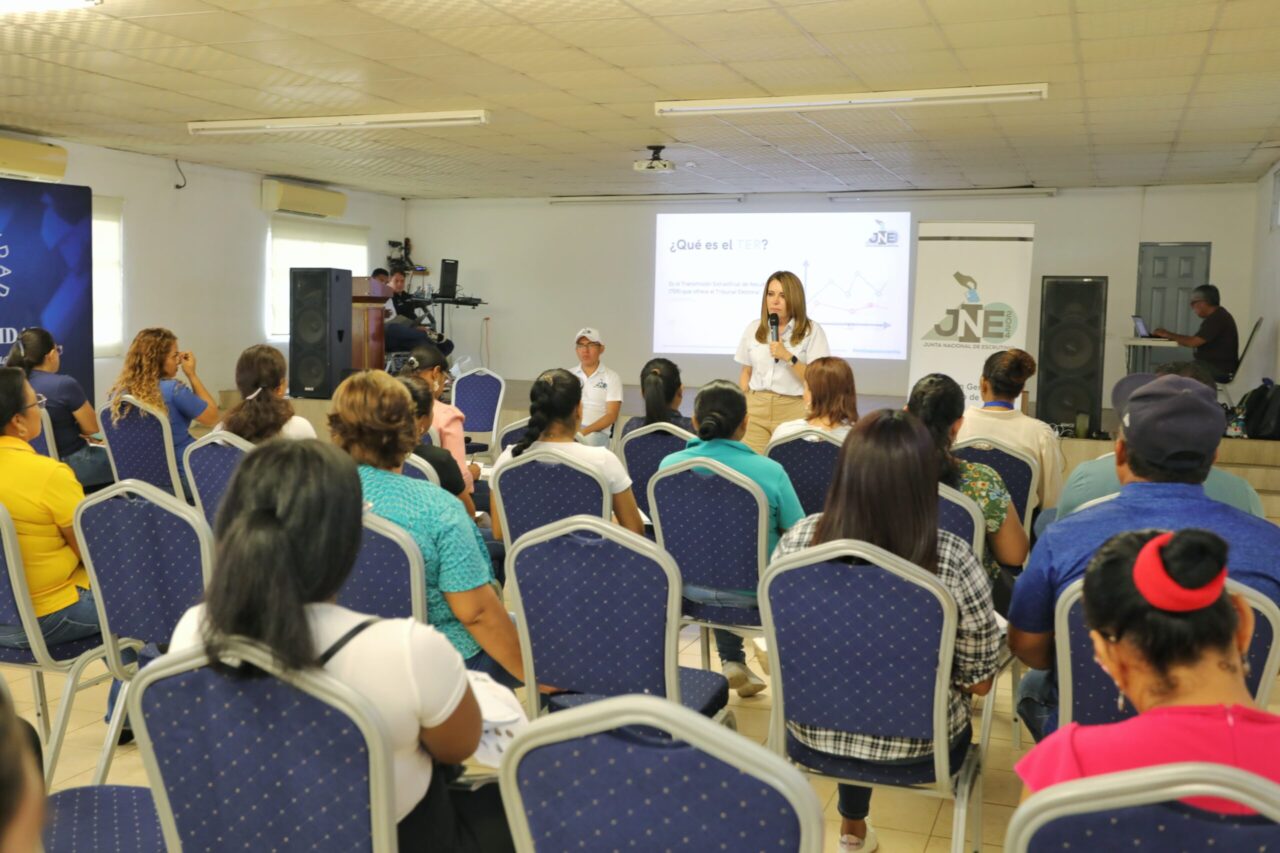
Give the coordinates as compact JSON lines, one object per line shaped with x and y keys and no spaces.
{"x":423,"y":467}
{"x":809,"y":434}
{"x":220,"y":436}
{"x":1033,"y":500}
{"x":489,"y":436}
{"x":104,"y":417}
{"x":670,"y":429}
{"x":955,"y":496}
{"x":546,"y":456}
{"x":417,"y":565}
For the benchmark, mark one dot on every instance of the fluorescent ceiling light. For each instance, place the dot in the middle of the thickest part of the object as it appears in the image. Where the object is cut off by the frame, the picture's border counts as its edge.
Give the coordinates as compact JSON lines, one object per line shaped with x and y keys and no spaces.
{"x":10,"y":7}
{"x":978,"y":192}
{"x":385,"y":121}
{"x":677,"y":198}
{"x":856,"y":100}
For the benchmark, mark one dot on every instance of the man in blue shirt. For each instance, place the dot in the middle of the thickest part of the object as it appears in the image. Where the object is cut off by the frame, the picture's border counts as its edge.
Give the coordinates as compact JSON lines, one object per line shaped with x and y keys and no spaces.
{"x":1170,"y":428}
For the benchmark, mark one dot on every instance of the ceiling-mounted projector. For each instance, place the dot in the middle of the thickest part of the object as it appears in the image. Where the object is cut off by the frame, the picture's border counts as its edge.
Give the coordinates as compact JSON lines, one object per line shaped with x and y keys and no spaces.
{"x":655,"y":163}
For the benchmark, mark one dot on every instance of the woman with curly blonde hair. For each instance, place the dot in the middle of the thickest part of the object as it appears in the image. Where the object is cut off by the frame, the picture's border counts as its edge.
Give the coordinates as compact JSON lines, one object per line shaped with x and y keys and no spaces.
{"x":150,"y":373}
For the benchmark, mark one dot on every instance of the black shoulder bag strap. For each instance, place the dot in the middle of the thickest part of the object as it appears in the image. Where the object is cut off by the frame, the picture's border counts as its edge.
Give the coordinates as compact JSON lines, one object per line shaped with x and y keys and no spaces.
{"x":338,"y":644}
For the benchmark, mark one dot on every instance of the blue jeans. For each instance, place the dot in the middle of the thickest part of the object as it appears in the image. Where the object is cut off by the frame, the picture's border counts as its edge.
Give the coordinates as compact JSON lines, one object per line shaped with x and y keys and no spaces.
{"x":854,"y":801}
{"x":480,"y":495}
{"x":73,"y":622}
{"x":91,"y":465}
{"x":481,"y":661}
{"x":728,"y":644}
{"x":1038,"y":702}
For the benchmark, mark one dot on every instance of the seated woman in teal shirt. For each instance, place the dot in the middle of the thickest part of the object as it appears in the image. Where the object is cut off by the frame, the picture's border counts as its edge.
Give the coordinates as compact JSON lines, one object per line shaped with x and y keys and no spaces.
{"x":720,"y":421}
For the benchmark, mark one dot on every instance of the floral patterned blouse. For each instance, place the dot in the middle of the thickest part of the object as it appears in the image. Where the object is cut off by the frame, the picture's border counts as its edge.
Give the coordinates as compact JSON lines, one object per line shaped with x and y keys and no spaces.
{"x":981,"y":484}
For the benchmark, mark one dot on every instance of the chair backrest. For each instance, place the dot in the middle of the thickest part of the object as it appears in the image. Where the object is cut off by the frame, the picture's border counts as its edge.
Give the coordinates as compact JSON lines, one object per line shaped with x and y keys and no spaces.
{"x":958,"y":514}
{"x":44,"y":443}
{"x":546,"y":485}
{"x":478,"y":393}
{"x":15,"y":595}
{"x":140,"y":446}
{"x":904,"y":645}
{"x":390,"y":575}
{"x":511,"y":433}
{"x":282,"y":761}
{"x":713,"y":520}
{"x":584,"y":584}
{"x":1144,"y":810}
{"x":149,"y":556}
{"x":1020,"y":472}
{"x":210,"y":462}
{"x":809,"y":458}
{"x":419,"y":469}
{"x":644,"y":449}
{"x":1087,"y":695}
{"x":579,"y":774}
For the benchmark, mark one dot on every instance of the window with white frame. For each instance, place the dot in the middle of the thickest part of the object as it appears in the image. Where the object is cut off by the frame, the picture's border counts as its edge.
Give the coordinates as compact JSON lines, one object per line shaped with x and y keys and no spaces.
{"x":303,"y":243}
{"x":108,"y":276}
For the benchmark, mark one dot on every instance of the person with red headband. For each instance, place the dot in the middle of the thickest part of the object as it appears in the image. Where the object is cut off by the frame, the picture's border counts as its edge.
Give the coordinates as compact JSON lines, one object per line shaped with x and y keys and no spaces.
{"x":1169,"y":431}
{"x":1174,"y":641}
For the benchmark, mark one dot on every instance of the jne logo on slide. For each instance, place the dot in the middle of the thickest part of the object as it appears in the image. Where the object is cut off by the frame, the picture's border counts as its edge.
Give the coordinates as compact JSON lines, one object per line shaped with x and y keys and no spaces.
{"x":882,"y":236}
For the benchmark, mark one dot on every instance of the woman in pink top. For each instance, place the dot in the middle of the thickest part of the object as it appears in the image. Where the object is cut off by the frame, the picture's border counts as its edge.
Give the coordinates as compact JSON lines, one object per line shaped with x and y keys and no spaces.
{"x":428,"y":364}
{"x":1174,"y":642}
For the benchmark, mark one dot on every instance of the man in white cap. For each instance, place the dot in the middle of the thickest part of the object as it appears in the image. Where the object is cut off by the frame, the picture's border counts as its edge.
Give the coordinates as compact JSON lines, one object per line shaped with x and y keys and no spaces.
{"x":601,"y":389}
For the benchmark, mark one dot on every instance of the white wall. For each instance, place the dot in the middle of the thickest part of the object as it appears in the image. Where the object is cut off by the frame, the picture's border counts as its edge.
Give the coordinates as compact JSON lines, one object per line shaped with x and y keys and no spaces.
{"x":195,"y":259}
{"x":551,"y":269}
{"x":1264,"y":356}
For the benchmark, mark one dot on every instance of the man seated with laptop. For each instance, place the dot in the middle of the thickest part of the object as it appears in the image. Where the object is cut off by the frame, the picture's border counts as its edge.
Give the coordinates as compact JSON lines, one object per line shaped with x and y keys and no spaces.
{"x":408,"y":321}
{"x":1216,"y":343}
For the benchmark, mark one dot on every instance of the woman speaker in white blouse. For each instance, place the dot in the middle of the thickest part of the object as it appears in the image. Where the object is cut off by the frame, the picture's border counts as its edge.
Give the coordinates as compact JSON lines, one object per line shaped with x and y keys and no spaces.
{"x":774,"y":353}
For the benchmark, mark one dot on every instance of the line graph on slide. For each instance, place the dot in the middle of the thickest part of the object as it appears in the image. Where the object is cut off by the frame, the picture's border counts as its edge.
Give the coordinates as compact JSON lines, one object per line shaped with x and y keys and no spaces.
{"x":858,"y":310}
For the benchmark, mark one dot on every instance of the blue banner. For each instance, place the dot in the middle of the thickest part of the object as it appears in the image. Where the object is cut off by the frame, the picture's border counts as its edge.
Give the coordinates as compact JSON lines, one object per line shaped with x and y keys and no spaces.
{"x":46,"y":269}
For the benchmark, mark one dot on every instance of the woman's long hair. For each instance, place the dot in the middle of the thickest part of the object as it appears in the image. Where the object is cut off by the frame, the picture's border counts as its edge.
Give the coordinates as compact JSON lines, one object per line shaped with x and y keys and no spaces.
{"x":30,"y":349}
{"x":142,"y":371}
{"x":260,"y":414}
{"x":938,"y":401}
{"x":832,"y":390}
{"x":793,"y":293}
{"x":553,"y":398}
{"x":286,"y":536}
{"x":885,"y":489}
{"x":660,"y":383}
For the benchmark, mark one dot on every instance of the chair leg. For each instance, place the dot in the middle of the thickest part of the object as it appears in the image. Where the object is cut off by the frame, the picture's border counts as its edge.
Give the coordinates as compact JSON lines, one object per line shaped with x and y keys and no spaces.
{"x":1015,"y":677}
{"x":959,"y":820}
{"x":113,"y":736}
{"x":976,"y":820}
{"x":704,"y":635}
{"x":54,"y":745}
{"x":42,"y":705}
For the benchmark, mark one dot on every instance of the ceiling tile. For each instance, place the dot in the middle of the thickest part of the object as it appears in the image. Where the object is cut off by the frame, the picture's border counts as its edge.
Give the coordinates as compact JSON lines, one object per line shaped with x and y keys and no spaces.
{"x":972,"y":11}
{"x":610,"y":33}
{"x":901,"y":40}
{"x":844,"y":16}
{"x":213,"y":27}
{"x":1147,"y":21}
{"x":1047,"y":29}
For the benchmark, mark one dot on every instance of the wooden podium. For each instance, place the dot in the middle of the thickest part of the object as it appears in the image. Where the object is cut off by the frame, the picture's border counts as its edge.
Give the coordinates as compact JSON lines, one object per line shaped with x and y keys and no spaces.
{"x":368,"y":346}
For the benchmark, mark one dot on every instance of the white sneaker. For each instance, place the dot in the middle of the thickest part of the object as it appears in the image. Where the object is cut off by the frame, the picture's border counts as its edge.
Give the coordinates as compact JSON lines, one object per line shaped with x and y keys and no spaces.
{"x":761,"y":647}
{"x":854,"y":844}
{"x":742,"y":679}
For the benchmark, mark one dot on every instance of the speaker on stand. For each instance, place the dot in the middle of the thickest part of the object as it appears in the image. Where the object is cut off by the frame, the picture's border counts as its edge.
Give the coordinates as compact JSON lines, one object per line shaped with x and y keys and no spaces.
{"x":319,"y":331}
{"x":1073,"y":312}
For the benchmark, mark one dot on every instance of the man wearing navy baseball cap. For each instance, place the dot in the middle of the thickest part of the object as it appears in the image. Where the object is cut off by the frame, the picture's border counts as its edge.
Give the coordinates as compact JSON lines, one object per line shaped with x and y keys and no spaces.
{"x":1170,"y":427}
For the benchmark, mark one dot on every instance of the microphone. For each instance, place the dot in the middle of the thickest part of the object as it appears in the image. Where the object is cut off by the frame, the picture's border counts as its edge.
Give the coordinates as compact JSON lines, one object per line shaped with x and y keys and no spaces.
{"x":773,"y":328}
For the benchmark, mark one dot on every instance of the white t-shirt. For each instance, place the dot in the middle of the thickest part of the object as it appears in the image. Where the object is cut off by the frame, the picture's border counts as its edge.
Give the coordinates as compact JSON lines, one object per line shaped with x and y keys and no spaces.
{"x":786,"y":429}
{"x":409,"y":672}
{"x":597,"y":458}
{"x":1030,"y":435}
{"x":603,"y":386}
{"x":777,"y":376}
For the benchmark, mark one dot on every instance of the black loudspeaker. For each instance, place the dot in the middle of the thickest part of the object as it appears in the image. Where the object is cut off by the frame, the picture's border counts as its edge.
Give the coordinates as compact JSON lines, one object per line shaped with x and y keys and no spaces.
{"x":319,"y":331}
{"x":1073,"y":311}
{"x":448,"y":279}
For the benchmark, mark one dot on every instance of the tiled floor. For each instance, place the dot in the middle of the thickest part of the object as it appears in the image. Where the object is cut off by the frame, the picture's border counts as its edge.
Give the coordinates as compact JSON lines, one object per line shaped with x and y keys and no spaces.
{"x":905,"y":823}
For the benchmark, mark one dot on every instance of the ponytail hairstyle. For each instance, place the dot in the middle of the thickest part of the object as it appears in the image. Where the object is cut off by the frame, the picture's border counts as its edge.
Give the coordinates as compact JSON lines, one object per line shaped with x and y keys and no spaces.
{"x":553,"y":399}
{"x":660,"y":383}
{"x":938,"y":401}
{"x":718,"y":410}
{"x":260,"y":414}
{"x":423,"y":358}
{"x":1115,"y":608}
{"x":30,"y":349}
{"x":832,"y":390}
{"x":420,"y":391}
{"x":1007,"y":372}
{"x":286,"y":536}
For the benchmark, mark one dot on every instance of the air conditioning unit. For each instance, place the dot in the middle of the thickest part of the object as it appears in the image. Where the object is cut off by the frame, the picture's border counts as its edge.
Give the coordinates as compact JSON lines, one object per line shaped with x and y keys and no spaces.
{"x":33,"y":161}
{"x":284,"y":197}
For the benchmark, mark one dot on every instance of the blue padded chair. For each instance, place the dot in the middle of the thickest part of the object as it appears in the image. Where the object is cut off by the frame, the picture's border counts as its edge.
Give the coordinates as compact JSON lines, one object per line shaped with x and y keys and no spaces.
{"x":545,"y":485}
{"x":44,"y":443}
{"x":390,"y":576}
{"x":1144,"y":810}
{"x":1088,"y":695}
{"x":644,"y":449}
{"x":478,"y":393}
{"x":511,"y":434}
{"x":582,"y":585}
{"x":282,"y":761}
{"x":1021,"y":473}
{"x":103,"y":818}
{"x":717,"y":531}
{"x":140,"y":446}
{"x":890,"y":675}
{"x":68,"y":659}
{"x":600,"y":776}
{"x":418,"y":468}
{"x":809,"y":458}
{"x":958,"y":514}
{"x":149,"y":556}
{"x":210,"y":462}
